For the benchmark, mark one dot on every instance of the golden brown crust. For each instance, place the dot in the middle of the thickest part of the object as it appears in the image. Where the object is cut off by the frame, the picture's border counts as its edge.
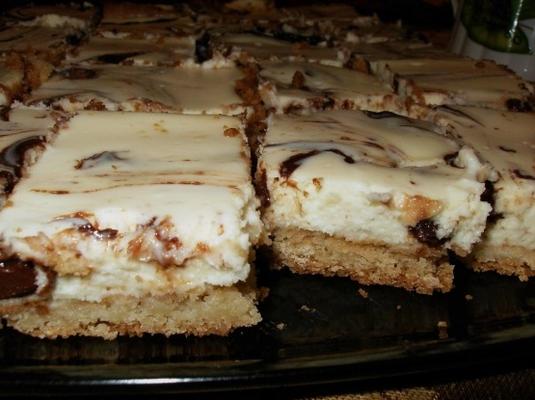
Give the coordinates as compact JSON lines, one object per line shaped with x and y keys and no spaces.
{"x":216,"y":310}
{"x":307,"y":252}
{"x":506,"y":260}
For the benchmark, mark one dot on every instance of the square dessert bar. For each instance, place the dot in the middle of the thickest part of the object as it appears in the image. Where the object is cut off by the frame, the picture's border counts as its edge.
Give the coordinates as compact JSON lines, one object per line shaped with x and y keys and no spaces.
{"x":129,"y":88}
{"x":258,"y":47}
{"x":130,"y":51}
{"x":377,"y":197}
{"x":460,"y":81}
{"x":506,"y":140}
{"x":306,"y":86}
{"x":149,"y":228}
{"x":81,"y":15}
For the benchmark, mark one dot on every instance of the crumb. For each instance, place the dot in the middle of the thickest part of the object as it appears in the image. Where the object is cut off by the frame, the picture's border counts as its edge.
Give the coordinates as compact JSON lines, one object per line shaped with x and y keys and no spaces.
{"x":398,"y":307}
{"x":280,"y":326}
{"x":262,"y":293}
{"x":442,"y":329}
{"x":469,"y":297}
{"x":363,"y":293}
{"x":306,"y":308}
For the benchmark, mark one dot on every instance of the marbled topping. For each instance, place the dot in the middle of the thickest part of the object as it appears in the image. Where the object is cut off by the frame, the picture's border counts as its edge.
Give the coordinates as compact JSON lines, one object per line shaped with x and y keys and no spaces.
{"x":322,"y":87}
{"x":374,"y":170}
{"x":261,"y":47}
{"x":457,"y":81}
{"x":149,"y":30}
{"x":17,"y":279}
{"x":22,"y":38}
{"x":24,"y":131}
{"x":505,"y":139}
{"x":168,"y":193}
{"x":129,"y":51}
{"x":127,"y":88}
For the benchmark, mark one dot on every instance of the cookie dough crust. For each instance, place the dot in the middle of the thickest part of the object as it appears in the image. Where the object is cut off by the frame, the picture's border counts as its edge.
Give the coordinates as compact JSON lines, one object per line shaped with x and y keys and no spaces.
{"x":307,"y":252}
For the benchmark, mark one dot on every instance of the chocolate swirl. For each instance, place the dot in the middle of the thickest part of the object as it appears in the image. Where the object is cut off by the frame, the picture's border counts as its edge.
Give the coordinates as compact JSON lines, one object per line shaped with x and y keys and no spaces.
{"x":12,"y":159}
{"x":291,"y":164}
{"x":17,"y":279}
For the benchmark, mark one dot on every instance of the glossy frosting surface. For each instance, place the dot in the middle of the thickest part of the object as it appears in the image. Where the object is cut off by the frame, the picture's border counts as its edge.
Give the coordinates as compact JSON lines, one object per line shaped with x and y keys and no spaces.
{"x":368,"y":176}
{"x":128,"y":88}
{"x":149,"y":202}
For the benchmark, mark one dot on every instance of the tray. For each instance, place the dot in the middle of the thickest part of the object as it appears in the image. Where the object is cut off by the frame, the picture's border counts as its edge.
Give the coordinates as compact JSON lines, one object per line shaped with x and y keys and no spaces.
{"x":318,"y":333}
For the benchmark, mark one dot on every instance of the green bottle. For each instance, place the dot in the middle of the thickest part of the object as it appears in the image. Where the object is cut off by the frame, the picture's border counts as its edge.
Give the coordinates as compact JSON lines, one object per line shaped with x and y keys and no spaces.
{"x":502,"y":30}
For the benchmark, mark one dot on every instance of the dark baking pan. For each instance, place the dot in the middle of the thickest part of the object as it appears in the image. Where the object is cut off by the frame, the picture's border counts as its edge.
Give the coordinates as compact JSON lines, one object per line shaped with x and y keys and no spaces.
{"x":317,"y":333}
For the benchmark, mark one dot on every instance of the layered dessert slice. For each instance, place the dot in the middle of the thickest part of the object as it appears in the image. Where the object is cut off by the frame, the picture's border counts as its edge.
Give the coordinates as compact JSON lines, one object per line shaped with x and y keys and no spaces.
{"x":23,"y":135}
{"x":139,"y":52}
{"x":507,"y":142}
{"x":49,"y":43}
{"x":129,"y":88}
{"x":248,"y":47}
{"x":149,"y":228}
{"x":460,"y":81}
{"x":149,"y":30}
{"x":372,"y":56}
{"x":376,"y":197}
{"x":305,"y":86}
{"x":81,"y":16}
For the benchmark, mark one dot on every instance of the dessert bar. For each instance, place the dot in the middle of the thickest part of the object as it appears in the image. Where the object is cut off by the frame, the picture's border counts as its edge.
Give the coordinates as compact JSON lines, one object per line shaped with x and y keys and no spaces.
{"x":460,"y":81}
{"x":376,"y":197}
{"x":190,"y":90}
{"x":149,"y":228}
{"x":506,"y":141}
{"x":286,"y":86}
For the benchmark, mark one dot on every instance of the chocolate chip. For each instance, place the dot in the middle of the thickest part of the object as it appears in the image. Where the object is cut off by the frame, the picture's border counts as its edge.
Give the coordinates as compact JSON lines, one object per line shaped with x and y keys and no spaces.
{"x":203,"y":48}
{"x":518,"y":105}
{"x":450,"y":159}
{"x":74,"y":39}
{"x":17,"y":279}
{"x":488,"y":194}
{"x":425,"y":232}
{"x":298,"y":80}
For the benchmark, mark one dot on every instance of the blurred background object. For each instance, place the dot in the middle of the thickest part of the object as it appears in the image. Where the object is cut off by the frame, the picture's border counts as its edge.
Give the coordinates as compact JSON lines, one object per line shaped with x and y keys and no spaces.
{"x":500,"y":30}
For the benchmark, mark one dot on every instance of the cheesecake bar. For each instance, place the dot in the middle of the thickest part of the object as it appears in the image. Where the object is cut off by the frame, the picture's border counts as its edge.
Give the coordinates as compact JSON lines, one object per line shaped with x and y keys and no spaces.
{"x":459,"y":81}
{"x":23,"y":135}
{"x":81,"y":16}
{"x":376,"y":197}
{"x":130,"y":88}
{"x":286,"y":86}
{"x":251,"y":47}
{"x":149,"y":228}
{"x":130,"y":51}
{"x":506,"y":141}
